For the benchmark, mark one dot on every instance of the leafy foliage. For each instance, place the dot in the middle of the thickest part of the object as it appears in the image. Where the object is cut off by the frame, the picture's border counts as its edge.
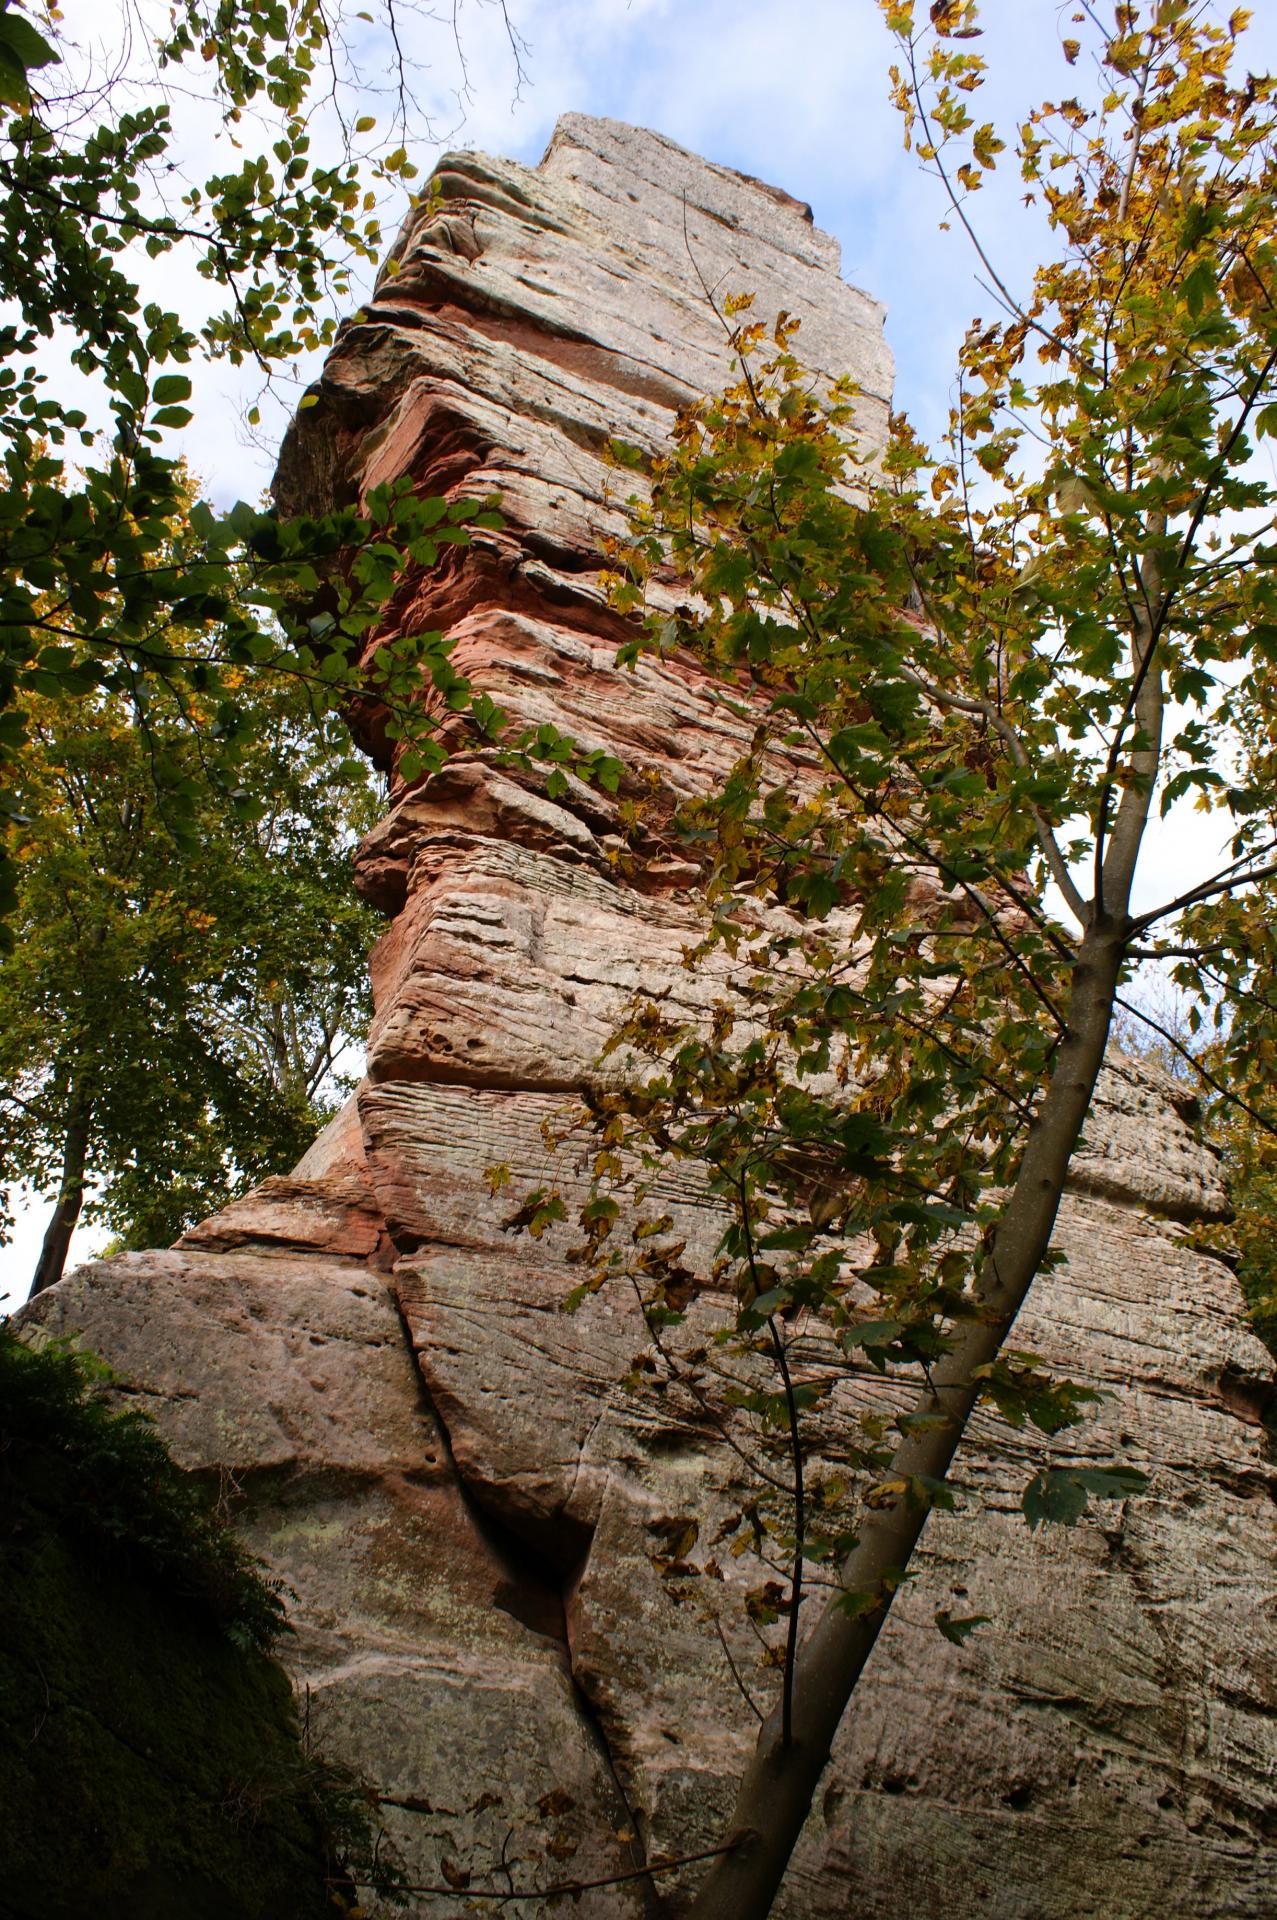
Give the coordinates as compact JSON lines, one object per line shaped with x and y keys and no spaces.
{"x":140,"y":1630}
{"x":102,"y":556}
{"x":947,"y":679}
{"x":1062,"y":1494}
{"x":113,"y":1472}
{"x":185,"y":977}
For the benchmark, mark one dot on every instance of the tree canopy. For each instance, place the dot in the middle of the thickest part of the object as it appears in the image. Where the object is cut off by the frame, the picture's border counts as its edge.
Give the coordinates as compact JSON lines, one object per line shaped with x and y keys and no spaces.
{"x":101,"y":551}
{"x":183,"y":979}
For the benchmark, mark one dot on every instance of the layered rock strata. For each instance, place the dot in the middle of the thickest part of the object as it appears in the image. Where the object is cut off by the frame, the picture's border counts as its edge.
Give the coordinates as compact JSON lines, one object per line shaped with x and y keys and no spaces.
{"x":453,"y":1476}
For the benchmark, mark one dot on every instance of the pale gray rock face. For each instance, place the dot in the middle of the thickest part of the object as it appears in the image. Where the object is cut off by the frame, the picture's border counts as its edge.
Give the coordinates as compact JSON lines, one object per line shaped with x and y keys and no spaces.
{"x":456,"y":1479}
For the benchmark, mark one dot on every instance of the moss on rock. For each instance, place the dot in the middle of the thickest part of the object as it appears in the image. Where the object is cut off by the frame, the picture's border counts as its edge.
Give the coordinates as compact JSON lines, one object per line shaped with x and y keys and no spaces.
{"x":150,"y":1758}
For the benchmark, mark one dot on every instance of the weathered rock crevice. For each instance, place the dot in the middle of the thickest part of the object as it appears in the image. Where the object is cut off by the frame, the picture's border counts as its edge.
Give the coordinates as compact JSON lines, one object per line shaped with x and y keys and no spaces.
{"x":545,"y":1567}
{"x":546,"y":1560}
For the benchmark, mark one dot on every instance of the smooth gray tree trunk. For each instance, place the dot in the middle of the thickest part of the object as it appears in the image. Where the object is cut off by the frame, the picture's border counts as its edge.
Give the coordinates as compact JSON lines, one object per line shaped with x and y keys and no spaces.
{"x":780,"y":1783}
{"x":66,"y":1212}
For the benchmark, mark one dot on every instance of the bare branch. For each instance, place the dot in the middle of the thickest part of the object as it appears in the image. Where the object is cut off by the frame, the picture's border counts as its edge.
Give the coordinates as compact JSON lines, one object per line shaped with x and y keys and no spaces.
{"x":564,"y":1887}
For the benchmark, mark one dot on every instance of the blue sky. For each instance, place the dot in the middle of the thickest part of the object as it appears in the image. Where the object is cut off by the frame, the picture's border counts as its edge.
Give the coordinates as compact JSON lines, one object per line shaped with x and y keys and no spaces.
{"x":797,"y":96}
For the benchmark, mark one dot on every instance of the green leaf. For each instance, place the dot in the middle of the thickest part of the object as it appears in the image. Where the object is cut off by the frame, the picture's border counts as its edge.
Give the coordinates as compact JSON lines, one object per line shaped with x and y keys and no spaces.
{"x":14,"y":90}
{"x":171,"y":387}
{"x":959,"y":1630}
{"x":21,"y":43}
{"x":1198,"y":286}
{"x":856,"y":1604}
{"x":1061,"y":1495}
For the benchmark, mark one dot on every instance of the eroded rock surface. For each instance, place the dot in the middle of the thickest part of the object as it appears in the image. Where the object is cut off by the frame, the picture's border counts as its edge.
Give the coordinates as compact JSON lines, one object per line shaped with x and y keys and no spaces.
{"x":450,"y":1472}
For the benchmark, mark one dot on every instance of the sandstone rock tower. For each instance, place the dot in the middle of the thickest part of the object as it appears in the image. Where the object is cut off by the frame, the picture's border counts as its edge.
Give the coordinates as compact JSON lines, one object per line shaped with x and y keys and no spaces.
{"x":448,"y":1471}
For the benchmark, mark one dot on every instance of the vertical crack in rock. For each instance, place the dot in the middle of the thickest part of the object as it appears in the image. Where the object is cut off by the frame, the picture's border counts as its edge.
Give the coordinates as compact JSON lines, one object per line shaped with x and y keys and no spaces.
{"x":538,"y":1594}
{"x":648,"y":1887}
{"x":531,"y":1591}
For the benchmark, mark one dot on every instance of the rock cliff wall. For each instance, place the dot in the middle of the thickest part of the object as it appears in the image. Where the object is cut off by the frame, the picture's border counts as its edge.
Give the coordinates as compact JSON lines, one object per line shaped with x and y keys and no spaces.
{"x":448,"y":1471}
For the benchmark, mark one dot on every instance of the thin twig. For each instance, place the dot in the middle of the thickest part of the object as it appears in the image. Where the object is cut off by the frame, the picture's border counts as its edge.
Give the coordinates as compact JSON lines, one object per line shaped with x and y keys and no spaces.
{"x":743,"y":1690}
{"x":1264,"y":1120}
{"x":563,"y":1886}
